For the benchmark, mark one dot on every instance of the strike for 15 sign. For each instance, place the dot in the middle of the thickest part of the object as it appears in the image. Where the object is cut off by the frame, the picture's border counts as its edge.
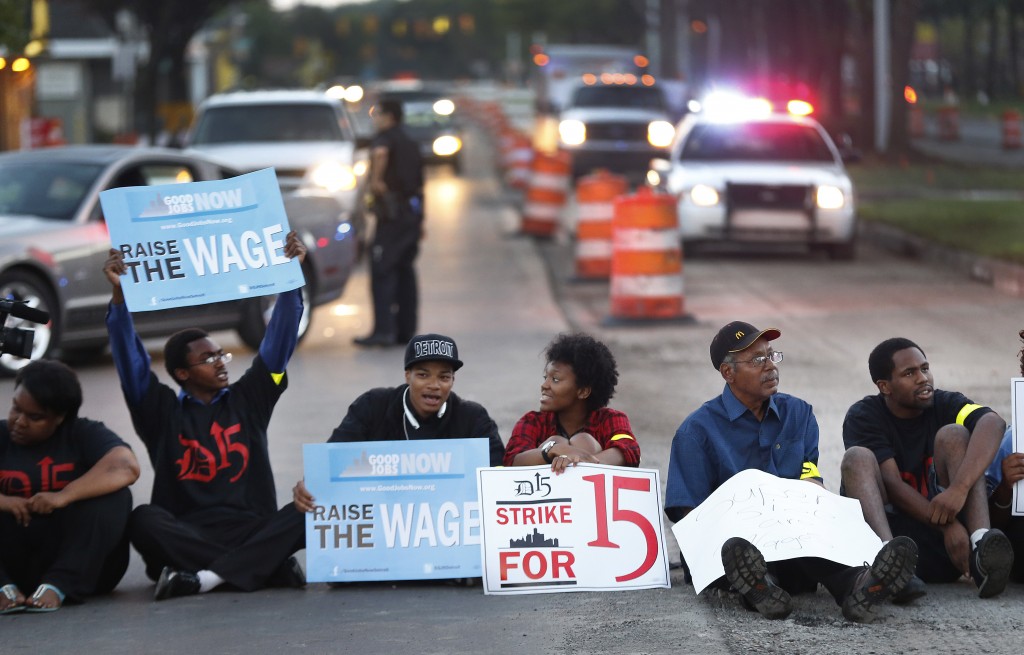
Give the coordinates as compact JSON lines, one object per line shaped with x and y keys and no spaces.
{"x":201,"y":242}
{"x":592,"y":528}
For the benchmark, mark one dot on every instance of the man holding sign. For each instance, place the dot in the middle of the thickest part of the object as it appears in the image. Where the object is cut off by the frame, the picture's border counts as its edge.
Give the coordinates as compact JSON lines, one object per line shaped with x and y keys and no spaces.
{"x":213,"y":517}
{"x":752,"y":426}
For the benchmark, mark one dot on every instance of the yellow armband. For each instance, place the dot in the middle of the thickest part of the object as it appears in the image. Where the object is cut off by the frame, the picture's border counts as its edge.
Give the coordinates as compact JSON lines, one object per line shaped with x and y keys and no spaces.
{"x":809,"y":470}
{"x":965,"y":411}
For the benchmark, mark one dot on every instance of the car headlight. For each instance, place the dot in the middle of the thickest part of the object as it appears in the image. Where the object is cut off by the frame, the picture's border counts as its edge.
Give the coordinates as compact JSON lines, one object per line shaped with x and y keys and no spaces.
{"x":333,"y":176}
{"x":572,"y":132}
{"x":360,"y":168}
{"x":444,"y":107}
{"x":653,"y":178}
{"x":703,"y":195}
{"x":660,"y":134}
{"x":830,"y":197}
{"x":447,"y":145}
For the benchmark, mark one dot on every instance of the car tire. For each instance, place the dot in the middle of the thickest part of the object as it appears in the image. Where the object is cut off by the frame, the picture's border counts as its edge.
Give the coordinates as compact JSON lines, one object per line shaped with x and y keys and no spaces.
{"x":842,"y":252}
{"x":257,"y":312}
{"x":23,"y":285}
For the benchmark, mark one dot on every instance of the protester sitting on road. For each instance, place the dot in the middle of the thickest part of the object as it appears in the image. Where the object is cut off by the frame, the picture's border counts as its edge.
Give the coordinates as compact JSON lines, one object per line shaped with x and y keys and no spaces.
{"x":752,"y":426}
{"x":1006,"y":470}
{"x":212,"y":519}
{"x":425,"y":407}
{"x":64,"y":498}
{"x":915,"y":458}
{"x":574,"y":423}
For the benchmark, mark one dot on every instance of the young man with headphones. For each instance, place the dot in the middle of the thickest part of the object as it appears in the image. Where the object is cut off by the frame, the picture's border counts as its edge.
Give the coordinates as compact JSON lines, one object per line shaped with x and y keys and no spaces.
{"x":423,"y":408}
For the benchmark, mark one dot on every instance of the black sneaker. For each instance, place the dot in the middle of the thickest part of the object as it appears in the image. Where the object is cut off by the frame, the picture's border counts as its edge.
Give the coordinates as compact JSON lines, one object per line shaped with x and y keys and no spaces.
{"x":991,"y":561}
{"x":289,"y":574}
{"x":888,"y":575}
{"x":914,"y":589}
{"x":747,"y":572}
{"x":173,"y":583}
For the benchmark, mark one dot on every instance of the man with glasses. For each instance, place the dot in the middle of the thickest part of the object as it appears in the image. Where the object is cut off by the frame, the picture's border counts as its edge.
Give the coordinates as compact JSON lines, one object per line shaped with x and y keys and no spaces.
{"x":213,"y":516}
{"x":916,"y":459}
{"x":753,"y":426}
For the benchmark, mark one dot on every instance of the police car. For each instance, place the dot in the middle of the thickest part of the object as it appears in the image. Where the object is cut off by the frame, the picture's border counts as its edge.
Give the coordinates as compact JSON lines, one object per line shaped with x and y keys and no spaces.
{"x":746,"y":174}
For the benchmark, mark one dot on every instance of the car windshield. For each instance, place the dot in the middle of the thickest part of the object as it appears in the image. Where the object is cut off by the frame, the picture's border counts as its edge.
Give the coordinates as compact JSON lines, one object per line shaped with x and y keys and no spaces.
{"x":45,"y":189}
{"x":268,"y":123}
{"x":420,"y":113}
{"x":756,"y":142}
{"x":637,"y":97}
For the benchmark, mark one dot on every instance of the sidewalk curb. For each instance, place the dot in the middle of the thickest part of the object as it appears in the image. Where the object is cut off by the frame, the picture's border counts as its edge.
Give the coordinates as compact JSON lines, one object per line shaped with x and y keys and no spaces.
{"x":1003,"y":276}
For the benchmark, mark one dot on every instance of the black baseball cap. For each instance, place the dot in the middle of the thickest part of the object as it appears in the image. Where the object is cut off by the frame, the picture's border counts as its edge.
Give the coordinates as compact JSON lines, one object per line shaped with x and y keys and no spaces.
{"x":735,"y":337}
{"x":432,"y":348}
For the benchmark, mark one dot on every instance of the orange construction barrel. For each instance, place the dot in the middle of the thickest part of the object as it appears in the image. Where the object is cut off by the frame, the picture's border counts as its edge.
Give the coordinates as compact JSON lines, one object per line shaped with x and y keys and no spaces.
{"x":545,"y":193}
{"x":1011,"y":129}
{"x":517,"y":161}
{"x":949,"y":123}
{"x":647,"y":258}
{"x":595,"y":202}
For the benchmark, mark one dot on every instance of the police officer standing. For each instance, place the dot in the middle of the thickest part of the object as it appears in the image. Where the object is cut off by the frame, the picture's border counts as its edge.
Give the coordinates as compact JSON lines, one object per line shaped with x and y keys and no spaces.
{"x":396,"y":182}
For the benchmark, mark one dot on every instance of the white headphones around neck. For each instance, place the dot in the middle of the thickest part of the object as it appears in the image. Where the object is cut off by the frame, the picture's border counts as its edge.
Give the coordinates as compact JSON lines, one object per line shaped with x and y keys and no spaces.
{"x":412,"y":417}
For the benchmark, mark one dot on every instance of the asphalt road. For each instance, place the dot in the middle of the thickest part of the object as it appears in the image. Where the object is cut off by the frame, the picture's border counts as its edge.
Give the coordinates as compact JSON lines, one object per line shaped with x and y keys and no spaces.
{"x":503,"y":297}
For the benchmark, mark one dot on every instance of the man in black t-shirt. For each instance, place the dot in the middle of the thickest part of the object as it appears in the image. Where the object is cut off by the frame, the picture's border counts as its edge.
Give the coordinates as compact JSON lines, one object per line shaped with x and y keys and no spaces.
{"x":396,"y":182}
{"x":916,"y":458}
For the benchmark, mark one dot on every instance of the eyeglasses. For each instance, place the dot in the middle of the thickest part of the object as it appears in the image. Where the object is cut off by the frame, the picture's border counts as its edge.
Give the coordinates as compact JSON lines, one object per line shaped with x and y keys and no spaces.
{"x":761,"y":360}
{"x":213,"y":359}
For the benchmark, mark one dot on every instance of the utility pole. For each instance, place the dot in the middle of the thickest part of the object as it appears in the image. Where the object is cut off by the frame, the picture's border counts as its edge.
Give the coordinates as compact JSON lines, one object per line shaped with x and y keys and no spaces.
{"x":653,"y":16}
{"x":883,"y":76}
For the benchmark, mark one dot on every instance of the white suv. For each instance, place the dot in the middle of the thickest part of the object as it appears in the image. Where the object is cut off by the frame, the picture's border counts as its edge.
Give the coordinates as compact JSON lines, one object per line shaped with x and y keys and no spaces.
{"x":306,"y":136}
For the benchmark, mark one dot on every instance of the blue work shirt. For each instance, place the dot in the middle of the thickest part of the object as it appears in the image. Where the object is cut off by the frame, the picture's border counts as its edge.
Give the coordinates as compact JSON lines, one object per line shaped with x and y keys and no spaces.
{"x":723,"y":437}
{"x":994,"y":474}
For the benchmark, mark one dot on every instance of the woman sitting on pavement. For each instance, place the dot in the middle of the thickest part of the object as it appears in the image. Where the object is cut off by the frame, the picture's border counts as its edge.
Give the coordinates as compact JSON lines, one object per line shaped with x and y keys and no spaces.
{"x":64,"y":498}
{"x":574,"y":423}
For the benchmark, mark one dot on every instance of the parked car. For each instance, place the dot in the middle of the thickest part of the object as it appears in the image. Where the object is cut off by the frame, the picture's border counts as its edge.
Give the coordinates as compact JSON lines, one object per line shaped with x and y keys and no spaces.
{"x":54,"y":242}
{"x":757,"y":177}
{"x":307,"y":137}
{"x":430,"y":118}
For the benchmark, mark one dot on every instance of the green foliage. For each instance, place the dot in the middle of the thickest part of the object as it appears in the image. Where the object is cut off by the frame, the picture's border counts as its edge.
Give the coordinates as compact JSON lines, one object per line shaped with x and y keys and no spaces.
{"x":13,"y":25}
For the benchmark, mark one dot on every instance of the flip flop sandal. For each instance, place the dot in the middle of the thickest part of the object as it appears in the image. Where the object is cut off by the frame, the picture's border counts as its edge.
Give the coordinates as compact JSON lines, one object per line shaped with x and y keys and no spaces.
{"x":10,"y":592}
{"x":38,"y":595}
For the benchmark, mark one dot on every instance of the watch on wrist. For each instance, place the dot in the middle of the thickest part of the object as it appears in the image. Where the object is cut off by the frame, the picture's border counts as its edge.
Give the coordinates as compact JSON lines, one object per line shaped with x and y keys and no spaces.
{"x":545,"y":450}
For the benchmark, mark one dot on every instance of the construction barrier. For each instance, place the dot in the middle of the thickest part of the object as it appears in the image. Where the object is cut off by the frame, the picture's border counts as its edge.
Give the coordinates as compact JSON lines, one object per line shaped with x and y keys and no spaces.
{"x":516,"y":161}
{"x":545,"y":194}
{"x":1011,"y":129}
{"x":647,"y":258}
{"x":915,"y":121}
{"x":949,"y":123}
{"x":595,"y":202}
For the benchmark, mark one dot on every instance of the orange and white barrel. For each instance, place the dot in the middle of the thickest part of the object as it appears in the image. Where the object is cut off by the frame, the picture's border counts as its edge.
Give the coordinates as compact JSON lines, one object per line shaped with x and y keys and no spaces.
{"x":546,"y":193}
{"x":595,"y":203}
{"x":517,"y":161}
{"x":647,"y":258}
{"x":949,"y":123}
{"x":1011,"y":129}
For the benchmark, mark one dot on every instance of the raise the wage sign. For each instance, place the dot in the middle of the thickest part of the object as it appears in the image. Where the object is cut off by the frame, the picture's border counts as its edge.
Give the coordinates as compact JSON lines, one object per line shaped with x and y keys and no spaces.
{"x":592,"y":528}
{"x":393,"y":510}
{"x":201,"y":242}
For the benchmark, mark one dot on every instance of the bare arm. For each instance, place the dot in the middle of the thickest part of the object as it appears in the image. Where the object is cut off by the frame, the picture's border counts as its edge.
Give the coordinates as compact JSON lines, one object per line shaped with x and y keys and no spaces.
{"x":115,"y":470}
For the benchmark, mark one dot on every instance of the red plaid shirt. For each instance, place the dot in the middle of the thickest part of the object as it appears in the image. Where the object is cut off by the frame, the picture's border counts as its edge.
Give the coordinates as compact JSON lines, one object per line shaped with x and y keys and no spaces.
{"x":609,"y":426}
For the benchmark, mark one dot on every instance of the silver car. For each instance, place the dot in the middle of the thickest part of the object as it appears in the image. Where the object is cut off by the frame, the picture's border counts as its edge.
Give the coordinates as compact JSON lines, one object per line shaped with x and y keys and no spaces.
{"x":54,"y":242}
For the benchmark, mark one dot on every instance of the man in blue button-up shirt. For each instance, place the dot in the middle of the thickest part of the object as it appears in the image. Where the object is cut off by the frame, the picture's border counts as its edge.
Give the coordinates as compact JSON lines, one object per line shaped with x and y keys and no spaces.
{"x":753,"y":426}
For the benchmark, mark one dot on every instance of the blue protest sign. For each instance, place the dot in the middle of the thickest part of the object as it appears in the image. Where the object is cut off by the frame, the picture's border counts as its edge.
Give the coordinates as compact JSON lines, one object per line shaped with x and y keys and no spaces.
{"x":393,"y":510}
{"x":201,"y":242}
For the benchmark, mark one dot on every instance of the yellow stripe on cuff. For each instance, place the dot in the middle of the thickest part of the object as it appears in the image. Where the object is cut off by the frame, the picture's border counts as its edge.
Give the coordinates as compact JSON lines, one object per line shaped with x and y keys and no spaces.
{"x":622,"y":436}
{"x":965,"y":411}
{"x":277,"y":377}
{"x":810,"y":470}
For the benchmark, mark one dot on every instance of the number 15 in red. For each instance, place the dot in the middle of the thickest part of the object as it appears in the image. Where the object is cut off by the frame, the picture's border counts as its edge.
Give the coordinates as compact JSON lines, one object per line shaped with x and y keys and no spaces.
{"x":619,"y":484}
